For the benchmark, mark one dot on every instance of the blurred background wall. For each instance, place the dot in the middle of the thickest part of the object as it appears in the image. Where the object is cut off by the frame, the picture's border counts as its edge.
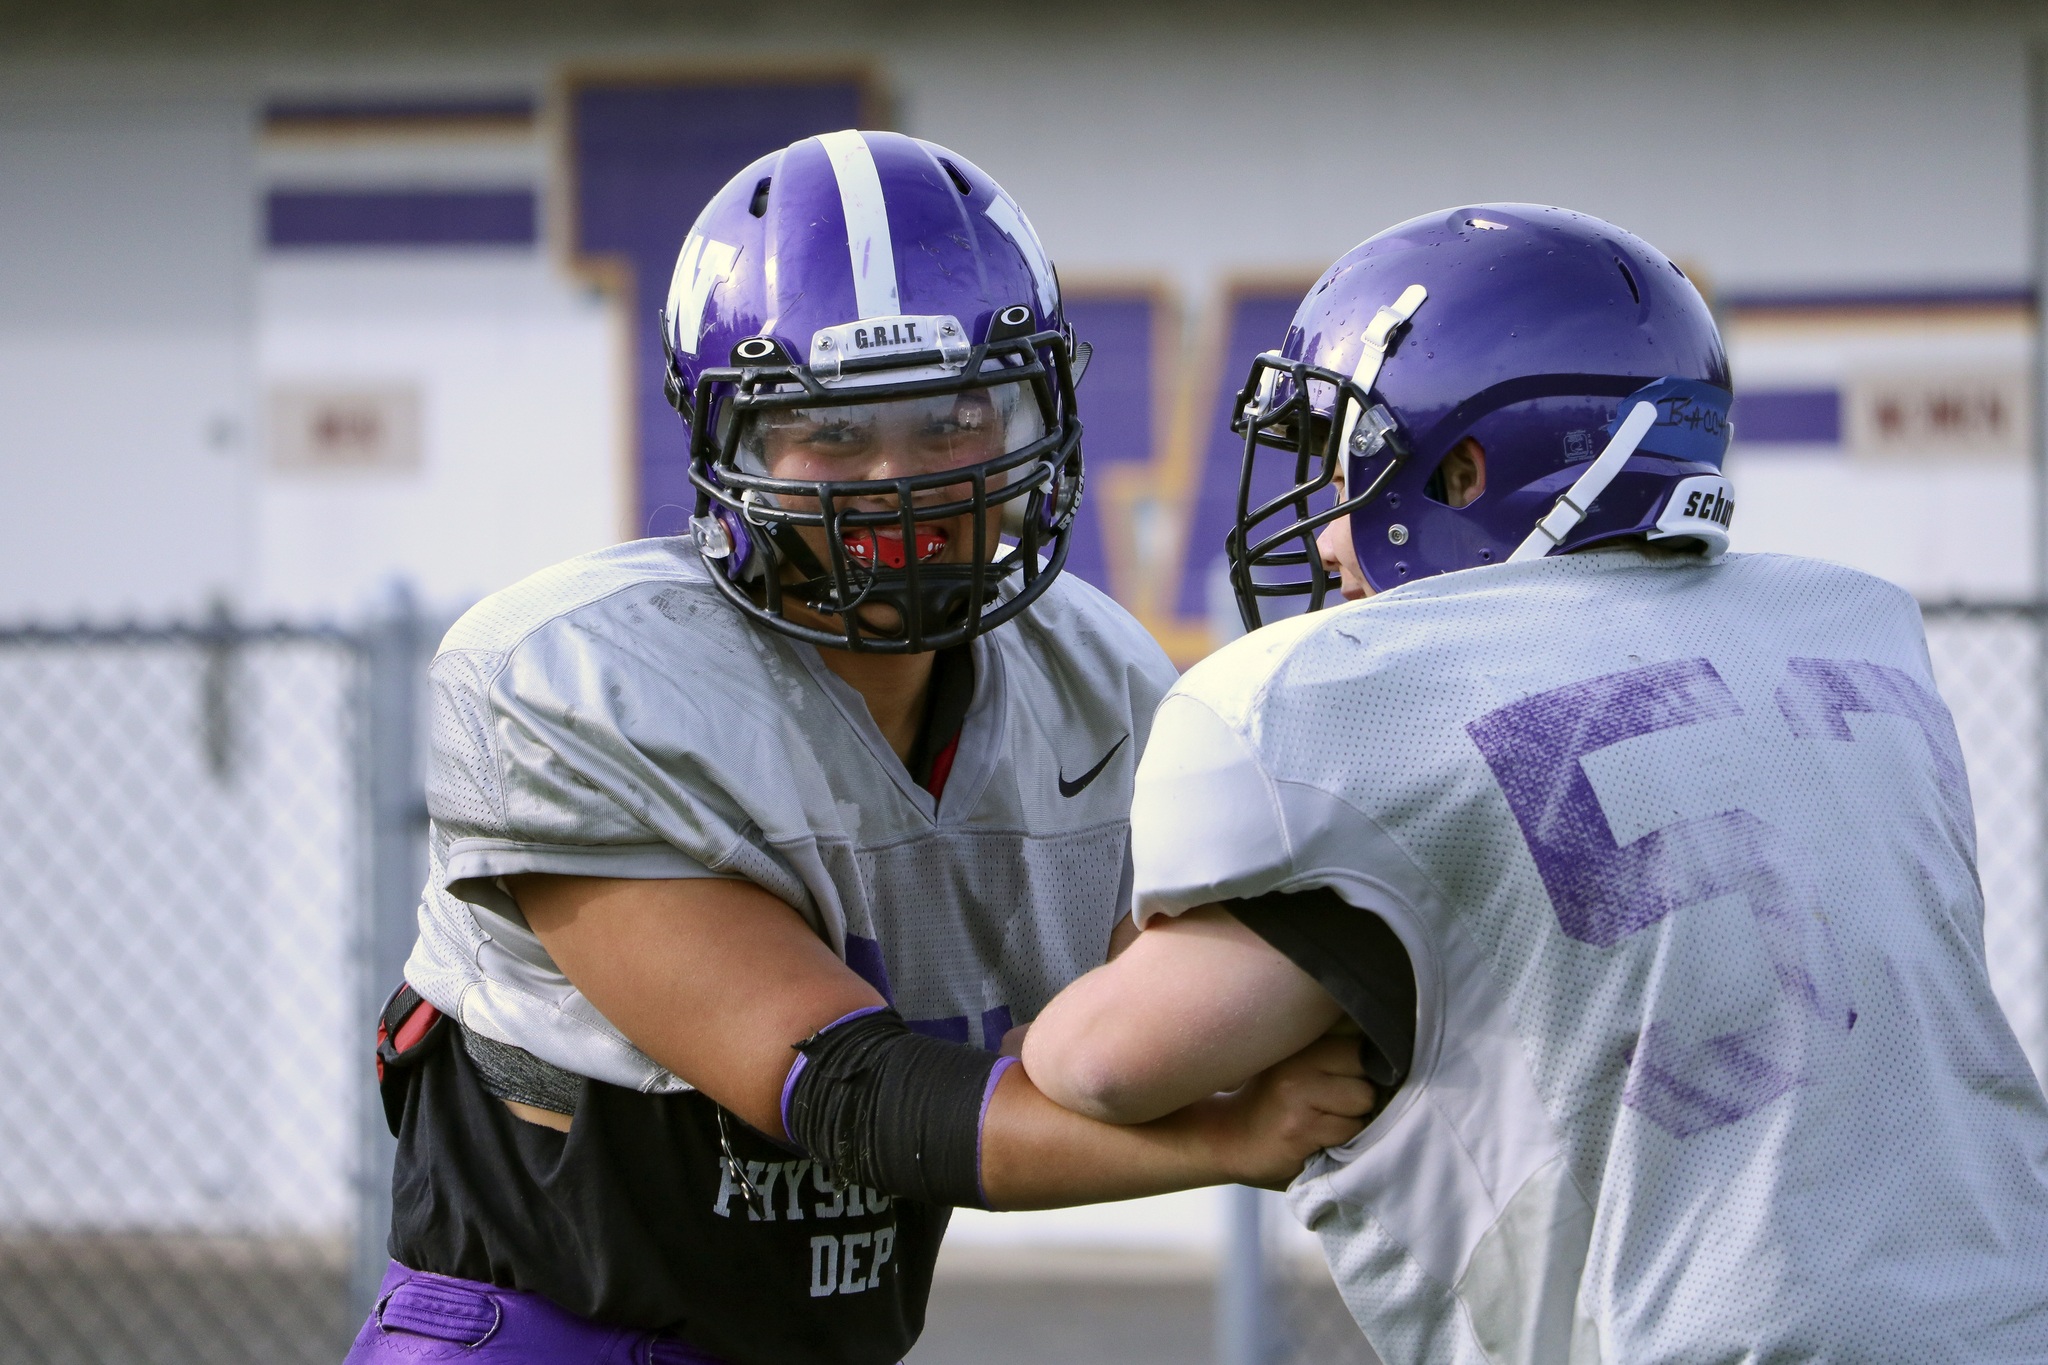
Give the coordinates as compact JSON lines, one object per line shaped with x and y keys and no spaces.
{"x":229,"y":228}
{"x":296,"y":299}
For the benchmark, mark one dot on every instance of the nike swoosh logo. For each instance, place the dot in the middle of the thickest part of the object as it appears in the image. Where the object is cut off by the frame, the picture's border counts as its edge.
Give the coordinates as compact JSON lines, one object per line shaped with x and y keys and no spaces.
{"x":1074,"y":788}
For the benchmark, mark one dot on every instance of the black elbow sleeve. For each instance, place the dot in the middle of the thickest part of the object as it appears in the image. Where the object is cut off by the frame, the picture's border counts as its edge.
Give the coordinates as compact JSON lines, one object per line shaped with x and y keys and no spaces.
{"x":879,"y":1105}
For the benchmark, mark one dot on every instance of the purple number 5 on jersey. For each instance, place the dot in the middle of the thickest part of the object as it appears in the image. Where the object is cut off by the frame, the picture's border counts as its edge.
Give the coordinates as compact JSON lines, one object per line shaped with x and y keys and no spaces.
{"x":1603,"y":891}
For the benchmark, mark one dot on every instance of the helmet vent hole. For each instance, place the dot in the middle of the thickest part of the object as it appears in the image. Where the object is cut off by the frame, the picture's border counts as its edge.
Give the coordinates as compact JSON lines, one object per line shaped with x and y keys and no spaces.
{"x":1628,"y":276}
{"x":1681,"y":274}
{"x":959,"y":180}
{"x":759,"y":207}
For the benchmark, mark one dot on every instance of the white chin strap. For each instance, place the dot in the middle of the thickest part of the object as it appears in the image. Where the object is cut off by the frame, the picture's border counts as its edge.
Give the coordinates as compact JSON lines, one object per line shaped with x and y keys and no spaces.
{"x":1372,"y":352}
{"x":1570,"y":510}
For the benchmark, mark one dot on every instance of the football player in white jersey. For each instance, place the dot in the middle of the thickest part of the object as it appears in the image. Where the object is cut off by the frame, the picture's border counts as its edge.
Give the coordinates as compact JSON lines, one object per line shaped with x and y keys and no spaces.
{"x":1644,"y":873}
{"x":749,"y":848}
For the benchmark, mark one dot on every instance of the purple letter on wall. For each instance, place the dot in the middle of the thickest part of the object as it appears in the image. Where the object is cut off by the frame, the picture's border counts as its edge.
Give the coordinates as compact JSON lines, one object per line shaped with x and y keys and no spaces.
{"x":648,"y":155}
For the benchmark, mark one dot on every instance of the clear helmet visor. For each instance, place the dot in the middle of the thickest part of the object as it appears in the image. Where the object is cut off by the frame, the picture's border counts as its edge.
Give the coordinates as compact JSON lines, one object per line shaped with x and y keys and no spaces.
{"x":863,"y":451}
{"x":854,"y":442}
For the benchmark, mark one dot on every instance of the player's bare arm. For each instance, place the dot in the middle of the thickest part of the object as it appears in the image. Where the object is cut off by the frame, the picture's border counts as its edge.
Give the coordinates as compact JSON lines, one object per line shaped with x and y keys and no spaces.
{"x":714,"y":979}
{"x":678,"y":966}
{"x":1195,"y":1006}
{"x":1036,"y":1155}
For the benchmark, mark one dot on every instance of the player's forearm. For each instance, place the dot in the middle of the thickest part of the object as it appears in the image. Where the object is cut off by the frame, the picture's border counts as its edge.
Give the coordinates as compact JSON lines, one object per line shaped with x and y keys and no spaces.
{"x":1036,"y":1155}
{"x":1196,"y":1006}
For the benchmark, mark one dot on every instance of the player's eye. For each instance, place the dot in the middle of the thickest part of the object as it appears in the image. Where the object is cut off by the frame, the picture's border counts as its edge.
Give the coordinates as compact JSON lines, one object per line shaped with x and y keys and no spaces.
{"x":832,"y":435}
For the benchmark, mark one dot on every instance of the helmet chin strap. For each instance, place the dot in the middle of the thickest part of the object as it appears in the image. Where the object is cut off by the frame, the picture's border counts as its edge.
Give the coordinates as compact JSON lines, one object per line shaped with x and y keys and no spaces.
{"x":1372,"y":352}
{"x":1570,"y":509}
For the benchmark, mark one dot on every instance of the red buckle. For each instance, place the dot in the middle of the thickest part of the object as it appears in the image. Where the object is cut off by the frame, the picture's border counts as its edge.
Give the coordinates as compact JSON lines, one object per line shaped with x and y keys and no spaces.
{"x":419,"y":1017}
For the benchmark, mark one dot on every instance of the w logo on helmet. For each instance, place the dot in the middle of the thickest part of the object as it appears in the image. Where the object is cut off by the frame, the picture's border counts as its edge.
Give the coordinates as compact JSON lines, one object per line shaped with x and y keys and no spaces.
{"x":702,"y":264}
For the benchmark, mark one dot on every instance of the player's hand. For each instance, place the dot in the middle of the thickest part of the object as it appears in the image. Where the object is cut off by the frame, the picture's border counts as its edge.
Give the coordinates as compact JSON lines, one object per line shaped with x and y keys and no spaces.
{"x":1268,"y":1129}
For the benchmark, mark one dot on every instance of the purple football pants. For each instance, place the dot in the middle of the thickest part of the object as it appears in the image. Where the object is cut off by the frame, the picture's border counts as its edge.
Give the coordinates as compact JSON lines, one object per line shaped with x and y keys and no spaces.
{"x":421,"y":1317}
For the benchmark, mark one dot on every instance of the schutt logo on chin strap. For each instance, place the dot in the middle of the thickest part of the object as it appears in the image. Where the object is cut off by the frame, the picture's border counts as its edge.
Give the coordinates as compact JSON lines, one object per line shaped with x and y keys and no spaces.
{"x":1074,"y":788}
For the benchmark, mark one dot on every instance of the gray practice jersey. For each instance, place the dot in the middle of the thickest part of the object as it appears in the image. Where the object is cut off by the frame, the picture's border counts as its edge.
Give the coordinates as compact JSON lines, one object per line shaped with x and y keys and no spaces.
{"x":1707,"y":1065}
{"x":614,"y":717}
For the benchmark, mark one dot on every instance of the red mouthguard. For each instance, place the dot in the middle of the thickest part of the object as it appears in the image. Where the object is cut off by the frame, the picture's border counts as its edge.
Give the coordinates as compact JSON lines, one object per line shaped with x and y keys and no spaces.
{"x":886,"y":545}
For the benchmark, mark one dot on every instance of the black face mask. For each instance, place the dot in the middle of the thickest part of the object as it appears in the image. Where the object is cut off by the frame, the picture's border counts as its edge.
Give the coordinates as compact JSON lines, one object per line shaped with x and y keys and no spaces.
{"x":747,"y":523}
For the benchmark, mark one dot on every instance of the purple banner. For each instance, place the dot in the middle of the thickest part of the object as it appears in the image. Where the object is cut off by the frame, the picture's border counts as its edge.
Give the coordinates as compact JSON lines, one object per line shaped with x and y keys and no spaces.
{"x":400,"y":218}
{"x":450,"y":113}
{"x":1118,"y":413}
{"x":1788,"y":417}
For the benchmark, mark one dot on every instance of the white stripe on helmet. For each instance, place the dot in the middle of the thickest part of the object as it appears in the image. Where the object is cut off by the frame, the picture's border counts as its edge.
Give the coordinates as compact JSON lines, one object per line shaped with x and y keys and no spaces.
{"x":868,"y":243}
{"x":699,"y":267}
{"x":1007,"y":214}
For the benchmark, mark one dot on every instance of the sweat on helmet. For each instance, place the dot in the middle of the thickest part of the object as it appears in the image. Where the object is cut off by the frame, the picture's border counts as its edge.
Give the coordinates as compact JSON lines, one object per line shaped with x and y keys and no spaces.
{"x":1534,"y":333}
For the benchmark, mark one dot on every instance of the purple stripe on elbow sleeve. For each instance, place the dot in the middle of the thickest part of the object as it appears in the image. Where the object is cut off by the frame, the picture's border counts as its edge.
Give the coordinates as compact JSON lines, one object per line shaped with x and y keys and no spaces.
{"x":796,"y":1069}
{"x":988,"y":1093}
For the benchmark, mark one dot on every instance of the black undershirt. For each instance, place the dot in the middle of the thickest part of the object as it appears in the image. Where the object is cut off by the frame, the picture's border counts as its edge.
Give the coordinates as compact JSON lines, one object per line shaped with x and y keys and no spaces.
{"x":1354,"y":956}
{"x":633,"y":1217}
{"x":946,"y":699}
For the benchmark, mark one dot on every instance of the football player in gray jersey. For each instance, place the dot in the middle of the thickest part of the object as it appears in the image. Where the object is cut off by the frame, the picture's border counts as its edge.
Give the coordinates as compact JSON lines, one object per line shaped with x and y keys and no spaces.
{"x":1643,"y":872}
{"x":749,"y":848}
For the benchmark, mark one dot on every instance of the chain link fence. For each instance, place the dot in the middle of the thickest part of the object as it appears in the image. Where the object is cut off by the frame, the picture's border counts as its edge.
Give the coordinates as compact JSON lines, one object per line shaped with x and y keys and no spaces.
{"x":191,"y":849}
{"x":209,"y":855}
{"x":1989,"y":662}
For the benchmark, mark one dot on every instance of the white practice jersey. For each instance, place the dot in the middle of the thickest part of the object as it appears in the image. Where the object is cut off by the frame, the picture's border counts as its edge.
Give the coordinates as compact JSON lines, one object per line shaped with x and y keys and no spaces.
{"x":614,"y":717}
{"x":1707,"y":1064}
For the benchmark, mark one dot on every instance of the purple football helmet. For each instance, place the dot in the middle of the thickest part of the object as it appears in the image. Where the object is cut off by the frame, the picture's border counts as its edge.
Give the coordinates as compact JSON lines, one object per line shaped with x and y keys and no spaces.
{"x":866,"y":342}
{"x":1580,"y":359}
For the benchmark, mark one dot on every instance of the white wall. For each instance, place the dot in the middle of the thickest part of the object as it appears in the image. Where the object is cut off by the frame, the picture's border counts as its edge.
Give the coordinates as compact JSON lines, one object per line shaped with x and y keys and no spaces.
{"x":1769,"y":153}
{"x":1941,"y":525}
{"x":1765,"y":155}
{"x":522,"y":424}
{"x":1876,"y":153}
{"x":127,"y":263}
{"x":523,"y":441}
